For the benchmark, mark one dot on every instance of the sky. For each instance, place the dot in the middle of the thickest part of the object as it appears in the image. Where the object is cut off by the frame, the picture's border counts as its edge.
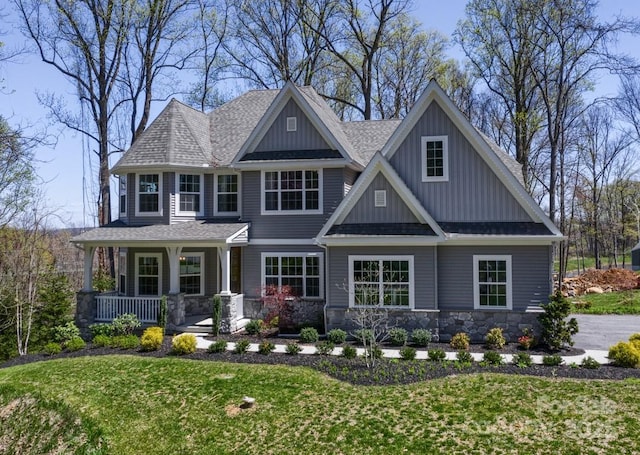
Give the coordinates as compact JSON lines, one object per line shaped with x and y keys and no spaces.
{"x":64,"y":167}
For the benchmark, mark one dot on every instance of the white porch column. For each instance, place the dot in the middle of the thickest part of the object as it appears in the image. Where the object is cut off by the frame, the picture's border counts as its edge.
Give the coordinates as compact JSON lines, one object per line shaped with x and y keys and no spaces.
{"x":87,"y":284}
{"x":174,"y":253}
{"x":224,"y":254}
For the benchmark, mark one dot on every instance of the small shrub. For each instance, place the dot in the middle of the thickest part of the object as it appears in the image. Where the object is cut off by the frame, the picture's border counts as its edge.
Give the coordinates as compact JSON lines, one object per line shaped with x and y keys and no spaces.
{"x":337,"y":336}
{"x":64,"y":333}
{"x":185,"y":343}
{"x":363,"y":336}
{"x":152,"y":339}
{"x":460,"y":341}
{"x":75,"y":344}
{"x":217,"y":347}
{"x":398,"y":336}
{"x":308,"y":335}
{"x":492,"y":358}
{"x":216,"y":315}
{"x":522,"y":359}
{"x":241,"y":347}
{"x":557,"y":328}
{"x":495,"y":339}
{"x":254,"y":327}
{"x":324,"y":347}
{"x":349,"y":352}
{"x":553,"y":360}
{"x":590,"y":363}
{"x":162,"y":314}
{"x":125,"y":341}
{"x":101,"y":341}
{"x":125,"y":324}
{"x":52,"y":348}
{"x":266,"y":347}
{"x":100,"y":329}
{"x":407,"y":353}
{"x":374,"y":352}
{"x":436,"y":355}
{"x":625,"y":355}
{"x":526,"y":342}
{"x":293,"y":348}
{"x":464,"y":357}
{"x":421,"y":337}
{"x":634,"y":337}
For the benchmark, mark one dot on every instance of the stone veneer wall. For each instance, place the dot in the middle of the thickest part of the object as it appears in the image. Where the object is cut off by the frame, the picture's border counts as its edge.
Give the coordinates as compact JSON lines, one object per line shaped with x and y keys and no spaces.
{"x":198,"y":304}
{"x":85,"y":311}
{"x":305,"y":312}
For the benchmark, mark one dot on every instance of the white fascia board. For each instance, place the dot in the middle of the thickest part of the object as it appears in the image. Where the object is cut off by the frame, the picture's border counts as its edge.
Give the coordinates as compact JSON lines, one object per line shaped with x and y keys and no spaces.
{"x":240,"y":231}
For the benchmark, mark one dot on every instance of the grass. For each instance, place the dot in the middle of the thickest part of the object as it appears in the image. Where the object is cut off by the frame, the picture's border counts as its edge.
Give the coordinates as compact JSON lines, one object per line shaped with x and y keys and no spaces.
{"x":625,"y":302}
{"x":574,"y":263}
{"x":136,"y":405}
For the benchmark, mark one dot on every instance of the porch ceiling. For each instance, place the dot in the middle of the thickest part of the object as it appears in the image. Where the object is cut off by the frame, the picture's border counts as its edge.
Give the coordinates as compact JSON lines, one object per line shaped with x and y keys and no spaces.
{"x":189,"y":232}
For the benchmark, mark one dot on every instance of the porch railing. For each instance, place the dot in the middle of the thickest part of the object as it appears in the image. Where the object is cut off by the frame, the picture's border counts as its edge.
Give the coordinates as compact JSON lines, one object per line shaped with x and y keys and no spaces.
{"x":108,"y":307}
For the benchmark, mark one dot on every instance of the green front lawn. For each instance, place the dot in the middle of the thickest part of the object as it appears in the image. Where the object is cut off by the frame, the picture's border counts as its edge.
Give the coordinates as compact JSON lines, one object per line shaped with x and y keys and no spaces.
{"x":146,"y":406}
{"x":625,"y":302}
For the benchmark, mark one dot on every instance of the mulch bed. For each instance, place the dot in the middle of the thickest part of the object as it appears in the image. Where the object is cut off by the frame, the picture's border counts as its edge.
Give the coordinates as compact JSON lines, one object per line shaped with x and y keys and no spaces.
{"x":386,"y":371}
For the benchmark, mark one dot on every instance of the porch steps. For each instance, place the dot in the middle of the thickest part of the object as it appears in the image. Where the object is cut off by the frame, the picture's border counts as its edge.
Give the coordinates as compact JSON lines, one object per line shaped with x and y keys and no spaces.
{"x":205,"y":325}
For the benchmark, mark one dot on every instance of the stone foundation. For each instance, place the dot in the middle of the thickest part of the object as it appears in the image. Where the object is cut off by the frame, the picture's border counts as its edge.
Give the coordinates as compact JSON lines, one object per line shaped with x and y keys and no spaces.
{"x":229,"y":319}
{"x":306,"y":313}
{"x":476,"y":324}
{"x":175,"y":311}
{"x":196,"y":305}
{"x":85,"y":312}
{"x":341,"y":318}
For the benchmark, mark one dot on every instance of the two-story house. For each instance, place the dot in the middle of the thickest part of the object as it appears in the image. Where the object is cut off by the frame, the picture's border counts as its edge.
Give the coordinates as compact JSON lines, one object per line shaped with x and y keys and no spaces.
{"x":425,"y":217}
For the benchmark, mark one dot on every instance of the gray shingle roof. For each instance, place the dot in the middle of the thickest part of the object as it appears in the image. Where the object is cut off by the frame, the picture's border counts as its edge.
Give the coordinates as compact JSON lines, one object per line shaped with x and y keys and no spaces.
{"x":387,"y":229}
{"x":495,"y":228}
{"x":368,"y":137}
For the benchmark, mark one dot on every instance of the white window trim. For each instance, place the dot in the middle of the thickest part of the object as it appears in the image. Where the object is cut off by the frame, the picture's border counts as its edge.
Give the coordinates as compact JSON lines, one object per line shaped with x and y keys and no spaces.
{"x":445,"y":158}
{"x":199,"y":254}
{"x":476,"y":282}
{"x":137,"y":194}
{"x":317,"y":211}
{"x":292,"y":124}
{"x":216,"y":211}
{"x":122,"y":208}
{"x":352,"y":292}
{"x":122,"y":271}
{"x":178,"y":193}
{"x":263,"y":277}
{"x":137,"y":270}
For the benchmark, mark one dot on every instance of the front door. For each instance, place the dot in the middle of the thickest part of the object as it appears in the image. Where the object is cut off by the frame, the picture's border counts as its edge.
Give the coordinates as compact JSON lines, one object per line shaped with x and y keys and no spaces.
{"x":236,"y":269}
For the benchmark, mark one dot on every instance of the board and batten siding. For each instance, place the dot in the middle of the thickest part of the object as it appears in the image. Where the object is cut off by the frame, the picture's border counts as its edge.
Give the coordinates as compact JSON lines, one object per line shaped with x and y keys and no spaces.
{"x":473,"y":192}
{"x":424,"y":280}
{"x":306,"y":136}
{"x":293,"y":226}
{"x":530,"y":275}
{"x":252,"y":266}
{"x":365,"y":210}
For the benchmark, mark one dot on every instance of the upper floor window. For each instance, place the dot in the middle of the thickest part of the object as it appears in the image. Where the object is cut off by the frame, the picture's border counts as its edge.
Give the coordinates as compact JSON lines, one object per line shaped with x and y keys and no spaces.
{"x":226,"y":199}
{"x":435,"y":159}
{"x":189,"y":194}
{"x":149,"y":197}
{"x":123,"y":194}
{"x":492,"y":282}
{"x":292,"y":191}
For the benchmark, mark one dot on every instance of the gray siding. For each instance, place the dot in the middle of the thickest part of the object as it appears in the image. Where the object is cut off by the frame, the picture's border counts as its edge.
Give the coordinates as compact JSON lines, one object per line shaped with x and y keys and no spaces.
{"x":365,"y":211}
{"x":530,"y":267}
{"x":288,"y":226}
{"x":306,"y":137}
{"x":252,"y":268}
{"x":473,"y":192}
{"x":423,"y":264}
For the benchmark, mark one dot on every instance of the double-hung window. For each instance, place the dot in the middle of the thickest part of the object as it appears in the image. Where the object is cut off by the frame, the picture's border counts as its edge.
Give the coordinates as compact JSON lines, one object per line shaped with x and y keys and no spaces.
{"x":148,"y":273}
{"x":226,"y":199}
{"x":189,"y":194}
{"x":492,"y":282}
{"x":381,"y":281}
{"x":191,"y":267}
{"x":122,"y":273}
{"x":301,"y":272}
{"x":292,"y":191}
{"x":435,"y":158}
{"x":123,"y":194}
{"x":149,"y":200}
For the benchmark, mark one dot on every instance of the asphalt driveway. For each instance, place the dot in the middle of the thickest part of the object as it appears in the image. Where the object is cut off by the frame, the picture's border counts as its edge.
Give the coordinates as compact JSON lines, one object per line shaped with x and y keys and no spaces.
{"x":602,"y":331}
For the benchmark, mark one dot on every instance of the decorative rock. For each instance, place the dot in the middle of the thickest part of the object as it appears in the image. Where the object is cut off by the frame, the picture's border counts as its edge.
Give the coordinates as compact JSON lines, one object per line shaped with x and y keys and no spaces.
{"x":594,"y":290}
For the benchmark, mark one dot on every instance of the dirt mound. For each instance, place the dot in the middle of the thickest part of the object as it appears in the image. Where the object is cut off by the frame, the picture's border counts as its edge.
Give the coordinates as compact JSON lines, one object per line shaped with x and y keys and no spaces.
{"x":593,"y":280}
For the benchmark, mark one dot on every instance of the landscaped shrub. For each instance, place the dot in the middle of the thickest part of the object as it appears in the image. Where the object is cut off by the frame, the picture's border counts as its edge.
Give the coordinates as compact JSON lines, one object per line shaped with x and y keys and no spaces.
{"x":100,"y":329}
{"x":241,"y":347}
{"x":65,"y":333}
{"x":460,"y":341}
{"x":398,"y":336}
{"x":552,"y":360}
{"x":421,"y":337}
{"x":363,"y":336}
{"x":436,"y":355}
{"x":125,"y":342}
{"x":293,"y":348}
{"x":557,"y":331}
{"x":152,"y":339}
{"x":492,"y":358}
{"x":75,"y":344}
{"x":125,"y":324}
{"x":625,"y":355}
{"x":634,"y":337}
{"x":185,"y":343}
{"x":308,"y":335}
{"x":495,"y":338}
{"x":216,"y":316}
{"x":464,"y":357}
{"x":162,"y":314}
{"x":527,"y":340}
{"x":266,"y":347}
{"x":337,"y":336}
{"x":101,"y":341}
{"x":522,"y":359}
{"x":217,"y":346}
{"x":254,"y":327}
{"x":590,"y":363}
{"x":374,"y":352}
{"x":407,"y":353}
{"x":324,"y":347}
{"x":349,"y":352}
{"x":52,"y":348}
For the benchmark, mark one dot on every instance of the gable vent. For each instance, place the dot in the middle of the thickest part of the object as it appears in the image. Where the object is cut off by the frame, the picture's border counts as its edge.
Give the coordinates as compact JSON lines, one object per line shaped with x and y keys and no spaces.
{"x":292,"y":123}
{"x":380,"y":197}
